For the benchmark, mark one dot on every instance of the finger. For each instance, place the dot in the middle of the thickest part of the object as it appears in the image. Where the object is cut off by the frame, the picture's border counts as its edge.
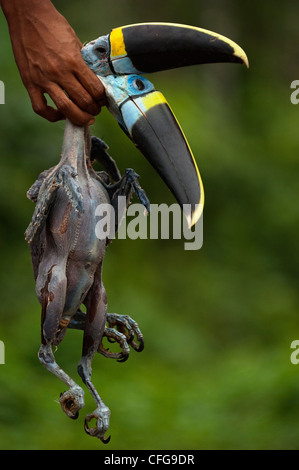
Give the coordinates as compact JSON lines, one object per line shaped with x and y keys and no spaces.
{"x":40,"y":106}
{"x":91,"y":83}
{"x":80,"y":96}
{"x":68,"y":108}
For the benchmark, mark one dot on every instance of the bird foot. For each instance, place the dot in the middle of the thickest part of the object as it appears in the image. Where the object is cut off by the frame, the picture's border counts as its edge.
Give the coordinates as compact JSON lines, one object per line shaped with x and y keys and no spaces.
{"x":72,"y":401}
{"x":102,"y":417}
{"x":126,"y":186}
{"x":124,"y":334}
{"x":132,"y":178}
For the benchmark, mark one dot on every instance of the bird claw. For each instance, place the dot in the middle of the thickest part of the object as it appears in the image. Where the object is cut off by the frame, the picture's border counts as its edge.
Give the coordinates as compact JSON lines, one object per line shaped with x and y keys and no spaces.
{"x":72,"y":401}
{"x":127,"y":326}
{"x":124,"y":334}
{"x":102,"y":417}
{"x":115,"y":336}
{"x":132,"y":178}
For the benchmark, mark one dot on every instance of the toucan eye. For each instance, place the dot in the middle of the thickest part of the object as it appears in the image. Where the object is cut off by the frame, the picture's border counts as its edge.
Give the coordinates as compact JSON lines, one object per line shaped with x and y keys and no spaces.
{"x":139,"y":84}
{"x":100,"y":49}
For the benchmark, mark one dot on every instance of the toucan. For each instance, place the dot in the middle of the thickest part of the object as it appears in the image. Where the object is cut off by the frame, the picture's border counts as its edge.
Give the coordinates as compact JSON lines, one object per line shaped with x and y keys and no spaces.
{"x":121,"y":58}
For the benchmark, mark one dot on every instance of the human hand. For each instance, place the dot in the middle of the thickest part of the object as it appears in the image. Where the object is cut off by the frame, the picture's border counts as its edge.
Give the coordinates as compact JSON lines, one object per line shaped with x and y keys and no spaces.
{"x":47,"y":53}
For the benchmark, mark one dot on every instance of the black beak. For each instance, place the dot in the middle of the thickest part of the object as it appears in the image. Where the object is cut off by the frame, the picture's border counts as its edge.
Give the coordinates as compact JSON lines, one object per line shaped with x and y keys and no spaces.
{"x":147,"y":119}
{"x":158,"y":135}
{"x":151,"y":47}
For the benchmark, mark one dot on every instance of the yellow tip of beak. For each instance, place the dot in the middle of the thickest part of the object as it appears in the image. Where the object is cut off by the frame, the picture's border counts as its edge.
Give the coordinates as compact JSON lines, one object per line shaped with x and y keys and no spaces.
{"x":193,"y":218}
{"x":241,"y":55}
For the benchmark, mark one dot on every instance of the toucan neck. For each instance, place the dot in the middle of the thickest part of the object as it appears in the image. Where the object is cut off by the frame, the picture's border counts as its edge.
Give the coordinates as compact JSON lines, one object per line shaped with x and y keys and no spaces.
{"x":76,"y":146}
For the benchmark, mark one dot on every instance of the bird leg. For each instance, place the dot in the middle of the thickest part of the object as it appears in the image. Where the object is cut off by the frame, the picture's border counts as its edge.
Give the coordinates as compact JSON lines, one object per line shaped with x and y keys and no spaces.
{"x":52,"y":296}
{"x":72,"y":400}
{"x":99,"y":152}
{"x":96,"y":308}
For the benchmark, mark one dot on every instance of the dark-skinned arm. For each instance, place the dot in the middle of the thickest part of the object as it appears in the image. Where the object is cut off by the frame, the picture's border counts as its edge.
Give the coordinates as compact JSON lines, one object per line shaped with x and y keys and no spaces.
{"x":47,"y":53}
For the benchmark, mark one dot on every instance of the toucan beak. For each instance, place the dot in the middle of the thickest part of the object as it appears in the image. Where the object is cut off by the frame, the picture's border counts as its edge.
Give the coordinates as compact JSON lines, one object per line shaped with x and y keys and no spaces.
{"x":151,"y":47}
{"x":157,"y":134}
{"x":147,"y":119}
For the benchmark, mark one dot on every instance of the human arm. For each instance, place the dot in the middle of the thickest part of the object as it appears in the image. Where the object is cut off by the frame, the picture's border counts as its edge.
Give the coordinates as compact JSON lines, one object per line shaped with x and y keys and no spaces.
{"x":47,"y":53}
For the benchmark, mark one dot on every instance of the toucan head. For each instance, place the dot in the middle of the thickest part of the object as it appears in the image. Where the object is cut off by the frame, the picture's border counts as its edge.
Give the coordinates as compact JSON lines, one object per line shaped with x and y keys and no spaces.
{"x":121,"y":58}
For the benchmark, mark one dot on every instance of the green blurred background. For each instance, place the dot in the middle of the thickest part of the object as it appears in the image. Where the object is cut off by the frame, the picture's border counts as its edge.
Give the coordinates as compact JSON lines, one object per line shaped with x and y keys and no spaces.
{"x":218,"y":322}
